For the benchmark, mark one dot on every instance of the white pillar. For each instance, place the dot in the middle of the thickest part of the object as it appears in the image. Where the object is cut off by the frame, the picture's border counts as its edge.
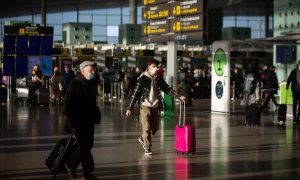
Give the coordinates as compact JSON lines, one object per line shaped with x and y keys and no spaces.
{"x":172,"y":64}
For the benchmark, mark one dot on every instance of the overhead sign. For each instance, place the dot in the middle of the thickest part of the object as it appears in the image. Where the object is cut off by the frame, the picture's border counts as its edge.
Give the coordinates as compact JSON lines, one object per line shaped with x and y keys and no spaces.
{"x":188,"y":36}
{"x":151,"y":2}
{"x":84,"y":51}
{"x":188,"y":7}
{"x":178,"y":19}
{"x":155,"y":12}
{"x":155,"y":27}
{"x":188,"y":23}
{"x":28,"y":30}
{"x":156,"y":38}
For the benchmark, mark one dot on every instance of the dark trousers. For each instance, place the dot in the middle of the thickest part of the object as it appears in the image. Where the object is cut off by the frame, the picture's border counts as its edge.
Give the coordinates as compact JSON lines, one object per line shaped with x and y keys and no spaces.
{"x":83,"y":154}
{"x":296,"y":105}
{"x":270,"y":95}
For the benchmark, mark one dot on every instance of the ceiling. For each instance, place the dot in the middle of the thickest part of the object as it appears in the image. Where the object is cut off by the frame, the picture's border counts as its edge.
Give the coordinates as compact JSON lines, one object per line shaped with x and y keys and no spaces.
{"x":27,"y":7}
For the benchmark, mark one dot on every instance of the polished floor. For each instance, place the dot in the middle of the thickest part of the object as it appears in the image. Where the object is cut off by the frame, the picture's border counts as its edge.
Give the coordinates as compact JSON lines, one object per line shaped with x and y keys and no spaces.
{"x":226,"y":149}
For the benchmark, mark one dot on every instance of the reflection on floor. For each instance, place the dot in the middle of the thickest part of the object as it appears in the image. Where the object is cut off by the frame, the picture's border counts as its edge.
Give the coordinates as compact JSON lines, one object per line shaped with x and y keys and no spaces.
{"x":226,"y":149}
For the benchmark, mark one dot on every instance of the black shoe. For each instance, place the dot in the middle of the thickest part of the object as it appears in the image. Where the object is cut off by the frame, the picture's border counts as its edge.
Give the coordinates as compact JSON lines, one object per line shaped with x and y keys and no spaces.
{"x":89,"y":177}
{"x":148,"y":151}
{"x":71,"y":172}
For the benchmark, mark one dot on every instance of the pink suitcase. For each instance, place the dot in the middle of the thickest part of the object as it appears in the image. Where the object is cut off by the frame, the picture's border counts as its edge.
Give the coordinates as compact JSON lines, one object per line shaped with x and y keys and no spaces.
{"x":185,"y":135}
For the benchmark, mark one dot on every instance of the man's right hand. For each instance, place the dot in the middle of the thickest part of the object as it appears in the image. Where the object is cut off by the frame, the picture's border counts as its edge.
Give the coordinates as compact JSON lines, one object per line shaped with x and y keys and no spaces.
{"x":128,"y":113}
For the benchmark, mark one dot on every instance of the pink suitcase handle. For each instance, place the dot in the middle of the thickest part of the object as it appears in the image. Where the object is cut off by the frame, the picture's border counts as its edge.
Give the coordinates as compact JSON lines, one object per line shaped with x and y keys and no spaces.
{"x":180,"y":123}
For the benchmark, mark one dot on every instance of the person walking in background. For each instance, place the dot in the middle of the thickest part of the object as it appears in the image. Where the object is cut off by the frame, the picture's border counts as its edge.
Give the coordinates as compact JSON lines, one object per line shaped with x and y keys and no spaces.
{"x":132,"y":79}
{"x":68,"y":75}
{"x":251,"y":97}
{"x":36,"y":81}
{"x":270,"y":83}
{"x":160,"y":71}
{"x":294,"y":81}
{"x":97,"y":79}
{"x":80,"y":110}
{"x":56,"y":86}
{"x":148,"y":92}
{"x":186,"y":88}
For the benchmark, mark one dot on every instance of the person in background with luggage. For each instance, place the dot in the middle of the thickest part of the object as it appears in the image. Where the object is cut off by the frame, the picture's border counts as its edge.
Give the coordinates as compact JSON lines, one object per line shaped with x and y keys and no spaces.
{"x":36,"y":82}
{"x":270,"y":84}
{"x":148,"y":92}
{"x":294,"y":81}
{"x":251,"y":99}
{"x":80,"y":104}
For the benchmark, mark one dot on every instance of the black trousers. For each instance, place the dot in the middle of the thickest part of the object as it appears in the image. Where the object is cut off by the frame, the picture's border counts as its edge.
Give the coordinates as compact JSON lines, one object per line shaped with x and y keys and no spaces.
{"x":83,"y":154}
{"x":270,"y":95}
{"x":296,"y":105}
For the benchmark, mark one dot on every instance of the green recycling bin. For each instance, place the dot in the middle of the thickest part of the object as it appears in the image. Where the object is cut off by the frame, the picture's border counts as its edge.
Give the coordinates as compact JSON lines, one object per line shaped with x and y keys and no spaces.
{"x":169,"y":100}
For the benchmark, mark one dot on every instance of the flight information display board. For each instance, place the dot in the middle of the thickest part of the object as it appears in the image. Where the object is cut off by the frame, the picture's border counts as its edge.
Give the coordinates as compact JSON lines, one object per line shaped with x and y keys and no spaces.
{"x":151,"y":2}
{"x":188,"y":23}
{"x":158,"y":11}
{"x":175,"y":20}
{"x":180,"y":8}
{"x":155,"y":27}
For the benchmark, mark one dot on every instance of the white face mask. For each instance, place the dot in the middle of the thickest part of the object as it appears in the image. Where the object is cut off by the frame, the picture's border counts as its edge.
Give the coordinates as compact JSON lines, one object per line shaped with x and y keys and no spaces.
{"x":90,"y":76}
{"x":153,"y":71}
{"x":299,"y":67}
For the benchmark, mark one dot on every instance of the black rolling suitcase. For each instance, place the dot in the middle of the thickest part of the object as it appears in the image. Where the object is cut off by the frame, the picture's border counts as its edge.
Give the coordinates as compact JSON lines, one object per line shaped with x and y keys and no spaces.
{"x":282,"y":108}
{"x":43,"y":96}
{"x":60,"y":154}
{"x":253,"y":114}
{"x":281,"y":116}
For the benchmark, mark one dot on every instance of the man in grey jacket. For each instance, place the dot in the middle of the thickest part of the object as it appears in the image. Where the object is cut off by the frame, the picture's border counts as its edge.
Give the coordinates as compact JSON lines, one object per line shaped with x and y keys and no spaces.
{"x":148,"y":92}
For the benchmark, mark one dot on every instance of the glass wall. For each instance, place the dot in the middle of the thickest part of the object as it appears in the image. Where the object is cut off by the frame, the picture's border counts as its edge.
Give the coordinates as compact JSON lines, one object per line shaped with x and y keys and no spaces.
{"x":105,"y":22}
{"x":256,"y":23}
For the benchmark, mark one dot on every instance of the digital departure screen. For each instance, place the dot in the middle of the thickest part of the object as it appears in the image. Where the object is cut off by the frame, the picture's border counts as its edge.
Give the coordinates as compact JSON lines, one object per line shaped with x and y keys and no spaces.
{"x":8,"y":65}
{"x":21,"y":66}
{"x":46,"y":45}
{"x":9,"y":44}
{"x":34,"y":45}
{"x":22,"y":45}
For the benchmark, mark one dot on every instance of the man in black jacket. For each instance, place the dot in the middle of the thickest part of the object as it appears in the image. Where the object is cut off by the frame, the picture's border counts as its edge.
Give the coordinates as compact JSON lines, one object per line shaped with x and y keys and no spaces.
{"x":80,"y":105}
{"x":270,"y":83}
{"x":148,"y":92}
{"x":294,"y":80}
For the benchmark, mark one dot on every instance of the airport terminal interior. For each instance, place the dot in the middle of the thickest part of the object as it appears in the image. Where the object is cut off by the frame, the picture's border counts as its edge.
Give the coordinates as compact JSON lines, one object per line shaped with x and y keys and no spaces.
{"x":209,"y":41}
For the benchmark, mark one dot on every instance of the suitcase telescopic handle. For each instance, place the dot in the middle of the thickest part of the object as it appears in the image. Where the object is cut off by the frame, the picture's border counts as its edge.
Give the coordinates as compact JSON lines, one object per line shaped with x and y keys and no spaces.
{"x":180,"y":113}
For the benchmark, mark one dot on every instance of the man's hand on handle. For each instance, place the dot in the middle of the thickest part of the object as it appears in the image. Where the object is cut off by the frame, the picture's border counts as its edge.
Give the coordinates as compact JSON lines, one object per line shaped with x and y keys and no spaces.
{"x":128,"y":113}
{"x":182,"y":98}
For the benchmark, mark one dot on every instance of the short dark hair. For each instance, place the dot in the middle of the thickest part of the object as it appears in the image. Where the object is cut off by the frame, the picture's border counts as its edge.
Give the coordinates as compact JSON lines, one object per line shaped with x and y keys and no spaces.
{"x":152,"y":61}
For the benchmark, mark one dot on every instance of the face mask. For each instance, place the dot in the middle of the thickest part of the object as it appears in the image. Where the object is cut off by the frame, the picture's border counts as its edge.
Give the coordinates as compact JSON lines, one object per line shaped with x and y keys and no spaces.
{"x":299,"y":67}
{"x":67,"y":69}
{"x":90,"y":76}
{"x":153,"y":71}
